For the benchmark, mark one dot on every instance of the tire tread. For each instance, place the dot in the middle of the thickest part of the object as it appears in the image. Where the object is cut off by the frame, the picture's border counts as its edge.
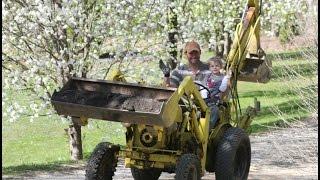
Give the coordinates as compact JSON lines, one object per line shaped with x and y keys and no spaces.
{"x":183,"y":165}
{"x":103,"y":151}
{"x":226,"y":152}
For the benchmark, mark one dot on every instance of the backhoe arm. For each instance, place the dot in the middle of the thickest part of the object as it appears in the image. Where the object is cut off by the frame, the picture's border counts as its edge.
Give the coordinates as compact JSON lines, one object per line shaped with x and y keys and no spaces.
{"x":246,"y":57}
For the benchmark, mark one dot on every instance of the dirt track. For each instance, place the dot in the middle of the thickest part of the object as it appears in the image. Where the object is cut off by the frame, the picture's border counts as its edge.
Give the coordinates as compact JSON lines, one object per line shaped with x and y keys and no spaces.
{"x":288,"y":153}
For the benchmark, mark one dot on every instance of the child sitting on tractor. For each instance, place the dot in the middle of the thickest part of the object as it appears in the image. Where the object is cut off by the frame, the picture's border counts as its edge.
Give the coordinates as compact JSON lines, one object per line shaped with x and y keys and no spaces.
{"x":217,"y":83}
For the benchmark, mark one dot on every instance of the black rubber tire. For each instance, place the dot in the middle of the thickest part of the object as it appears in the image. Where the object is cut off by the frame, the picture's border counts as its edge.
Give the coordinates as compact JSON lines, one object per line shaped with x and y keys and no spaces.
{"x":102,"y":162}
{"x":212,"y":148}
{"x":142,"y":174}
{"x":210,"y":162}
{"x":188,"y":168}
{"x":233,"y":155}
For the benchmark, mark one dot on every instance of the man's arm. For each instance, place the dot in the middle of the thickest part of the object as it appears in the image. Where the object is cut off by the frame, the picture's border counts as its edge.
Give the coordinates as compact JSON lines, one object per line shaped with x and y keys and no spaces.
{"x":169,"y":80}
{"x":166,"y":72}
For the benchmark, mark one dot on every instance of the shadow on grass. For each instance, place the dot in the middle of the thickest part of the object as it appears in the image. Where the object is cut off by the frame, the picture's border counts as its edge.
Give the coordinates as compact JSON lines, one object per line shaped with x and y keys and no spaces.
{"x":64,"y":167}
{"x":289,"y":71}
{"x":279,"y":123}
{"x":284,"y":55}
{"x":292,"y":107}
{"x":288,"y":107}
{"x":291,"y":55}
{"x":265,"y":93}
{"x":30,"y":170}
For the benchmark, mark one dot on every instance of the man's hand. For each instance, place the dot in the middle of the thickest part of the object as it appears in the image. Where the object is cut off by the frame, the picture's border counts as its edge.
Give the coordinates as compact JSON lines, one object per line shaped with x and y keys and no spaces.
{"x":164,"y":68}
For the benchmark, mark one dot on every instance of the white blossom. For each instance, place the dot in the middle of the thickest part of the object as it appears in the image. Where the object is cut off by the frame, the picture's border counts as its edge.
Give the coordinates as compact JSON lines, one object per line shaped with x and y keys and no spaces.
{"x":58,"y":38}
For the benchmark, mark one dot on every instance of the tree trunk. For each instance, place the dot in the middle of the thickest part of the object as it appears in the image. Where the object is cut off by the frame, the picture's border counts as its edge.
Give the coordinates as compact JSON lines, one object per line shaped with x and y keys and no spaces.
{"x":218,"y":45}
{"x":227,"y":44}
{"x":74,"y":130}
{"x":219,"y":48}
{"x":173,"y":24}
{"x":74,"y":133}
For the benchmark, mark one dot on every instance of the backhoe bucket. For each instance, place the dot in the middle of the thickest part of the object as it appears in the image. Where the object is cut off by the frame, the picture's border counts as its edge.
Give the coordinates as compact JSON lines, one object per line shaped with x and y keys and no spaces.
{"x":112,"y":101}
{"x":255,"y":69}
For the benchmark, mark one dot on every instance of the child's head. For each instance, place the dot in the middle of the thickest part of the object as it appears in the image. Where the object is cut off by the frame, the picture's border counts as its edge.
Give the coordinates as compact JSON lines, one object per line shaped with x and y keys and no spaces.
{"x":215,"y":64}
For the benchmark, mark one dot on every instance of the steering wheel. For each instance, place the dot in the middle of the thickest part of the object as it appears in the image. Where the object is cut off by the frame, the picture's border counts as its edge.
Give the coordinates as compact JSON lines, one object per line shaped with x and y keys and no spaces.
{"x":203,"y":87}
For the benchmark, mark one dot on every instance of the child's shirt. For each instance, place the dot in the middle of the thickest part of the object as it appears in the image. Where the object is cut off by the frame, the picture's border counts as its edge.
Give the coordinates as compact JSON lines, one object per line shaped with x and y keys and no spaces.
{"x":216,"y":84}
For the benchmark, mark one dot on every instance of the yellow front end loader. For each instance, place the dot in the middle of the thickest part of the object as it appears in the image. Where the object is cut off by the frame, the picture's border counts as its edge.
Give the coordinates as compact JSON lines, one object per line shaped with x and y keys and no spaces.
{"x":167,"y":129}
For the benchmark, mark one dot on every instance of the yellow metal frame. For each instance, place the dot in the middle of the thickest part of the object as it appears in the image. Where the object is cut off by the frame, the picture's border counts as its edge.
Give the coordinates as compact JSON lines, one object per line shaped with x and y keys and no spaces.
{"x":201,"y":128}
{"x":137,"y":156}
{"x":247,"y":37}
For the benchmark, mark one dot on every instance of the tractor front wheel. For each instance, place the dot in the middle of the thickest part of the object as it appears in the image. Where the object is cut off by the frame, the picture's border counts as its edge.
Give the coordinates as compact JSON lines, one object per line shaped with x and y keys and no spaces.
{"x":102,"y":162}
{"x":141,"y":174}
{"x":233,"y":155}
{"x":188,"y":168}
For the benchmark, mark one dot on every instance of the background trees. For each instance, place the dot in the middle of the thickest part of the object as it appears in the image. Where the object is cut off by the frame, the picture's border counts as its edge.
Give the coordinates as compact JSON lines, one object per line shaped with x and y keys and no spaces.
{"x":45,"y":42}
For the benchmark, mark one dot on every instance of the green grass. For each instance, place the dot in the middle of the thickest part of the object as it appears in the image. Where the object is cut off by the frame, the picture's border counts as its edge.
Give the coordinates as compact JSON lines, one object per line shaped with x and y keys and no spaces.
{"x":285,"y":102}
{"x":43,"y":143}
{"x":279,"y":100}
{"x":289,"y":70}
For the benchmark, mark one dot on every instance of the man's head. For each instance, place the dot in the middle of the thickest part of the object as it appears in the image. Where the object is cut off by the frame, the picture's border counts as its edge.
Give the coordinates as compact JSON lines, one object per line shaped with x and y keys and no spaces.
{"x":192,"y":51}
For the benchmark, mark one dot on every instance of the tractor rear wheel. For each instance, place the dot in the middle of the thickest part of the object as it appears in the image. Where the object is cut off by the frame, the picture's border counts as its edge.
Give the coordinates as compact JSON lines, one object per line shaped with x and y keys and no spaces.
{"x":141,"y":174}
{"x":188,"y":168}
{"x":233,"y":155}
{"x":102,"y":162}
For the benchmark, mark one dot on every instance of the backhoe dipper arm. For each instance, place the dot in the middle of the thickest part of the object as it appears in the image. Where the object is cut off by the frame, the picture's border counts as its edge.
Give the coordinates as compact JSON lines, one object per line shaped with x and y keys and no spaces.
{"x":247,"y":37}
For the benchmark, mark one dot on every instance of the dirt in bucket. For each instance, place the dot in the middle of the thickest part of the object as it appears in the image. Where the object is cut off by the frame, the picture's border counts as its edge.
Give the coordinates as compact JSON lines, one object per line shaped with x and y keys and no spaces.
{"x":110,"y":100}
{"x":141,"y":104}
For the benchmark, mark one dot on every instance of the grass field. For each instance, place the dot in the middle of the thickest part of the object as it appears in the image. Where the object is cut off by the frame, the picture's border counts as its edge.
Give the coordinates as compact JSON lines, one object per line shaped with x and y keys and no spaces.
{"x":43,"y":143}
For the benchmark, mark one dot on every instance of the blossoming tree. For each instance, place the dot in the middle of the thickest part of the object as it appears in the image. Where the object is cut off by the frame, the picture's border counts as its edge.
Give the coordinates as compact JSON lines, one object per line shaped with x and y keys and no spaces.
{"x":45,"y":42}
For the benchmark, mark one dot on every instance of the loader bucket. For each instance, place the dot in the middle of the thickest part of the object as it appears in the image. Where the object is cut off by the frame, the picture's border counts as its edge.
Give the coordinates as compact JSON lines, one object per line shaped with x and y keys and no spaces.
{"x":112,"y":101}
{"x":256,"y":70}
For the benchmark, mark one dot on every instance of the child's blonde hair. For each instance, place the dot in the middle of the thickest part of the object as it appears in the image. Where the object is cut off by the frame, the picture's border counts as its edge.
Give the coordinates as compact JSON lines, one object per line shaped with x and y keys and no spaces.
{"x":216,"y":59}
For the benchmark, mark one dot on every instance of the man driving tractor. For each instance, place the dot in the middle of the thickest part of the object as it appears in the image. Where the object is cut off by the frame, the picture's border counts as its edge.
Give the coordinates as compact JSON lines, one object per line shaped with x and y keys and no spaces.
{"x":195,"y":68}
{"x":201,"y":73}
